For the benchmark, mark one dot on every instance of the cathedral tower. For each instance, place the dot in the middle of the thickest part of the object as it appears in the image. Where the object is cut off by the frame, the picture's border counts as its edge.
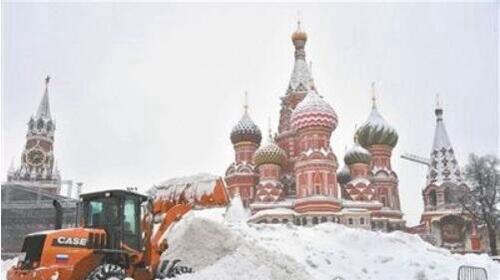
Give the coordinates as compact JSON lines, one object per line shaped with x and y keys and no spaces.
{"x":269,"y":159}
{"x":37,"y":161}
{"x":300,"y":83}
{"x":314,"y":120}
{"x":443,"y":217}
{"x":379,"y":138}
{"x":241,"y":176}
{"x":359,"y":187}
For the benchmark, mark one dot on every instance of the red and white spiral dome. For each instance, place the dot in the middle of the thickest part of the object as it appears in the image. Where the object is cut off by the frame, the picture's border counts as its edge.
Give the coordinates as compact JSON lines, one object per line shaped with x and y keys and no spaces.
{"x":312,"y":111}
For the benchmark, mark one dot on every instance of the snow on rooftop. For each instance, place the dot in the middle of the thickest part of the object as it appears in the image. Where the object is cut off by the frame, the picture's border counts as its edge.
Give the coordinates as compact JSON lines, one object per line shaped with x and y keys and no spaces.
{"x":192,"y":187}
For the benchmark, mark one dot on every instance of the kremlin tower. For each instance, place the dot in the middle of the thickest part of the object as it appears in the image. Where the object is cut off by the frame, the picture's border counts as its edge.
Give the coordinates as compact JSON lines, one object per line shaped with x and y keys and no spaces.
{"x":37,"y":161}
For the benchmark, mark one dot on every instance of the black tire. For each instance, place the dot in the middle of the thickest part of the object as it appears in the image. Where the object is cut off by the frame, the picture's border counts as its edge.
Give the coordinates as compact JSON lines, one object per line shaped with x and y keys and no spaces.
{"x":107,"y":271}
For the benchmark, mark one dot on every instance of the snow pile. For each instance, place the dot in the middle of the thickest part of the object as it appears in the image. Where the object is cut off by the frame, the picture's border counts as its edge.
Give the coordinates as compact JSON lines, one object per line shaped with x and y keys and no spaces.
{"x":6,"y":265}
{"x":190,"y":187}
{"x":235,"y":212}
{"x":219,"y":250}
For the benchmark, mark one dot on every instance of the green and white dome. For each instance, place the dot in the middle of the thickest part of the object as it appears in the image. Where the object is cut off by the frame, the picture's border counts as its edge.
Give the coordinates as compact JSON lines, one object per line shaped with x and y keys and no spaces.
{"x":376,"y":131}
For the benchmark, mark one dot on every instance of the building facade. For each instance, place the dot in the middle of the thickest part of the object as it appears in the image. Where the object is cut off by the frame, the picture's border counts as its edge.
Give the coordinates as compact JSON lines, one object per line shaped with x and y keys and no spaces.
{"x":294,"y":177}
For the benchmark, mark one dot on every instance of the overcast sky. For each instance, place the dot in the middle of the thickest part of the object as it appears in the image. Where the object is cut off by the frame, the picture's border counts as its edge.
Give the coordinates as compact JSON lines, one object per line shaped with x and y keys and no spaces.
{"x":145,"y":92}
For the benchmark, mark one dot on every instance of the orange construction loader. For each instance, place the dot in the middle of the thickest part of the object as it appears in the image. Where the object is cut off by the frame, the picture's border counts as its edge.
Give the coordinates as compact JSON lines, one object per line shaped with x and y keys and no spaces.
{"x":113,"y":240}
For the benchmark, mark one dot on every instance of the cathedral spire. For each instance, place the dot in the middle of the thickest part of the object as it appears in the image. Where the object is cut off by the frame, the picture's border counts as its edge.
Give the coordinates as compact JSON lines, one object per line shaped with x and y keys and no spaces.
{"x":301,"y":76}
{"x":44,"y":107}
{"x":444,"y":166}
{"x":374,"y":97}
{"x":439,"y":110}
{"x":245,"y":106}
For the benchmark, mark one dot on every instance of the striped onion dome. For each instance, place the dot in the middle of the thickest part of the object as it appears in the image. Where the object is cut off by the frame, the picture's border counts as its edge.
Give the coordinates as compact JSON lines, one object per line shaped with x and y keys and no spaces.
{"x":246,"y":130}
{"x":344,"y":175}
{"x":377,"y":131}
{"x":313,"y":111}
{"x":270,"y":153}
{"x":357,"y":154}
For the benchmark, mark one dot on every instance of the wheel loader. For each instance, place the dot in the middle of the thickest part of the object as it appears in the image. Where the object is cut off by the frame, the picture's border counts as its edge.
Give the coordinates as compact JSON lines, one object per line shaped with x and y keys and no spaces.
{"x":112,"y":240}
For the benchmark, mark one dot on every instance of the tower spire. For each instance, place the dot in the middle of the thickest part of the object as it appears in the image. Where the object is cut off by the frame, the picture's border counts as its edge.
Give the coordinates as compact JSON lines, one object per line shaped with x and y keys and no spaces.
{"x":439,"y":109}
{"x":269,"y":130}
{"x":298,"y":21}
{"x":245,"y":106}
{"x":374,"y":97}
{"x":44,"y":107}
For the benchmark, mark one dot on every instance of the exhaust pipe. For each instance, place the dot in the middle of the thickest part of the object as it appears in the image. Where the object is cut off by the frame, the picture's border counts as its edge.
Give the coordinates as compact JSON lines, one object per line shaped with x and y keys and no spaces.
{"x":59,"y":214}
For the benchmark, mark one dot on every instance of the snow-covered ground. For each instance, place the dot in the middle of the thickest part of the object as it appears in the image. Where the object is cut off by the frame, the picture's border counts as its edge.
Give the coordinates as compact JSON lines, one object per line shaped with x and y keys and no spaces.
{"x":219,"y":248}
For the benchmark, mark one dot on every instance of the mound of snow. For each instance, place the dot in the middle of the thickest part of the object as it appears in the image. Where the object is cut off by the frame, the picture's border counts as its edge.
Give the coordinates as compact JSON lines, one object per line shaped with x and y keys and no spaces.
{"x":235,"y":212}
{"x":218,"y":250}
{"x":6,"y":265}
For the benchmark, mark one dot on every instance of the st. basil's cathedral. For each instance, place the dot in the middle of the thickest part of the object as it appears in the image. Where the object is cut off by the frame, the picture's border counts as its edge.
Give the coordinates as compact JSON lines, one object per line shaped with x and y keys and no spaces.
{"x":295,"y":175}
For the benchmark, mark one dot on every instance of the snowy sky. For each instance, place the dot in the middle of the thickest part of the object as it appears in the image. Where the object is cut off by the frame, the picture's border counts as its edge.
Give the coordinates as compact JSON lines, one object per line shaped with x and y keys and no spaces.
{"x":145,"y":92}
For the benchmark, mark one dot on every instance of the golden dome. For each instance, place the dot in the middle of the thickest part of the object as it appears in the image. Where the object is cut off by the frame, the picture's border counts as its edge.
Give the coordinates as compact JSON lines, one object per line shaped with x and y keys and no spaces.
{"x":299,"y":34}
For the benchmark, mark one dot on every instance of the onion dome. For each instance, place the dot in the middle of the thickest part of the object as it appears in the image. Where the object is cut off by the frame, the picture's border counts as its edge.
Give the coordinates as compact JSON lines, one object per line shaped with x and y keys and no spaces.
{"x":246,"y":130}
{"x":357,"y":154}
{"x":270,"y":153}
{"x":376,"y":130}
{"x":299,"y":34}
{"x":344,"y":175}
{"x":313,"y":111}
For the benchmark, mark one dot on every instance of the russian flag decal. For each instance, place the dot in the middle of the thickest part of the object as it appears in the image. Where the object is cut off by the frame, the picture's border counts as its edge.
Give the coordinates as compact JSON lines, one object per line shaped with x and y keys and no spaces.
{"x":62,"y":258}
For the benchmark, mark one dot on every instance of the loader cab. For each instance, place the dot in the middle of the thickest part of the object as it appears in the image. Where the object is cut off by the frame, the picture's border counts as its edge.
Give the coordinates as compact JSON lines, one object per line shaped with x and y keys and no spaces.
{"x":118,"y":212}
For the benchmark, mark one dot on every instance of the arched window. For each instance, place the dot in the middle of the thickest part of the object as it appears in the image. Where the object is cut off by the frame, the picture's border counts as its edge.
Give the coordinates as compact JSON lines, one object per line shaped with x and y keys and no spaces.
{"x":285,"y":221}
{"x":315,"y":220}
{"x":297,"y":222}
{"x":323,"y":219}
{"x":275,"y":221}
{"x":304,"y":221}
{"x":433,"y":198}
{"x":362,"y":221}
{"x":350,"y":221}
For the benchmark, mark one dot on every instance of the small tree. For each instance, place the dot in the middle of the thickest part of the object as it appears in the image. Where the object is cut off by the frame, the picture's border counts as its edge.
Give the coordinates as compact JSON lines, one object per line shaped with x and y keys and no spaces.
{"x":483,"y":177}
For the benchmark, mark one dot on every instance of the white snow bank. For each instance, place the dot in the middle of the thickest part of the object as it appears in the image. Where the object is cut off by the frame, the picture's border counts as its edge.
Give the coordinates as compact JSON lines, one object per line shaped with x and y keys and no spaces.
{"x":218,"y":250}
{"x":6,"y":265}
{"x":235,"y":212}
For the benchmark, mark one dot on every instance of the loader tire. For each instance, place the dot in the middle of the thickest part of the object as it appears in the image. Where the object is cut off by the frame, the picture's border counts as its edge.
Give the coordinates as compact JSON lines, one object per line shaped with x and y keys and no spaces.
{"x":107,"y":271}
